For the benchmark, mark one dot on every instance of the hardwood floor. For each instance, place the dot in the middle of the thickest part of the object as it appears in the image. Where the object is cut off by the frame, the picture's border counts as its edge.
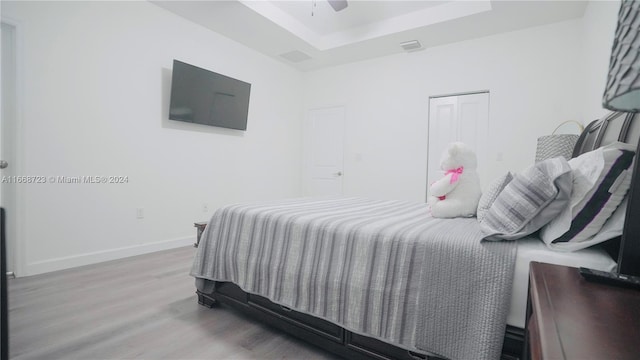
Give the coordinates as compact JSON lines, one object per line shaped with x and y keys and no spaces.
{"x":140,"y":307}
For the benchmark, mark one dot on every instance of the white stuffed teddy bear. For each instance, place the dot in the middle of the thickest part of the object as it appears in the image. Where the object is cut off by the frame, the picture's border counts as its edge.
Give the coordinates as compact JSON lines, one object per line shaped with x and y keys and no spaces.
{"x":458,"y":192}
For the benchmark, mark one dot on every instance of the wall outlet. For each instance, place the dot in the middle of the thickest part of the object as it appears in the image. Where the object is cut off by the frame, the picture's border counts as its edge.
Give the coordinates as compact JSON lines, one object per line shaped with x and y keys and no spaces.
{"x":140,"y":213}
{"x":205,"y":208}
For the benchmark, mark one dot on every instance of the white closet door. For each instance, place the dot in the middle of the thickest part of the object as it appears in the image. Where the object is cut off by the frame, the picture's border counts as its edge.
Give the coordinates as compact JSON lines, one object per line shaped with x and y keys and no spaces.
{"x":457,"y":118}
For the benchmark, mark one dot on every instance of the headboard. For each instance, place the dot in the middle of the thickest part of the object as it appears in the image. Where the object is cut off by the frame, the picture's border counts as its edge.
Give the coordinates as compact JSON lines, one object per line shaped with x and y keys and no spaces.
{"x":624,"y":127}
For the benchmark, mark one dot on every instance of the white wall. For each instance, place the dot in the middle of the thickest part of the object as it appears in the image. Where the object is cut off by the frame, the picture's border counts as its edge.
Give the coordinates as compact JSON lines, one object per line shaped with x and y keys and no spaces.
{"x":531,"y":75}
{"x":599,"y":26}
{"x":95,"y":78}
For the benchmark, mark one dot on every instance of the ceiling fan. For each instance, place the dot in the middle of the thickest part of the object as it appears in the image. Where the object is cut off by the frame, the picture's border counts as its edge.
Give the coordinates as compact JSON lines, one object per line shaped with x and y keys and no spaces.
{"x":338,"y":5}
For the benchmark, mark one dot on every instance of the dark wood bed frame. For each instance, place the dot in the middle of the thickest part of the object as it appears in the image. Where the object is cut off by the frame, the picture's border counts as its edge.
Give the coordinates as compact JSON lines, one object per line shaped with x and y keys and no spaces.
{"x":617,"y":126}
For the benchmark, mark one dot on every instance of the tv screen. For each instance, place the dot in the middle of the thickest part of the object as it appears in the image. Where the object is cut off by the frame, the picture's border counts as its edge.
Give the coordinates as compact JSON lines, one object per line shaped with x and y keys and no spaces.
{"x":204,"y":97}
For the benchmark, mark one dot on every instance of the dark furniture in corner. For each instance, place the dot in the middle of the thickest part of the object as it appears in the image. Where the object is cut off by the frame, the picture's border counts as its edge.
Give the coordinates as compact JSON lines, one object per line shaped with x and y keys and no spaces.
{"x":4,"y":308}
{"x":200,"y":226}
{"x":571,"y":318}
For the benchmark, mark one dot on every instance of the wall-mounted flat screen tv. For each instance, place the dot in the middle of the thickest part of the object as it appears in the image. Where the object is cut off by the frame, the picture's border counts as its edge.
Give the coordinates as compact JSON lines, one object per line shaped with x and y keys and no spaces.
{"x":204,"y":97}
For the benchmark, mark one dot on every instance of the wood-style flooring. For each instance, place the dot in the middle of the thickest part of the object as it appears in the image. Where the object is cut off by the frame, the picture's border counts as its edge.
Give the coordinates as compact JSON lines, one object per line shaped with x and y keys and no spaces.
{"x":142,"y":307}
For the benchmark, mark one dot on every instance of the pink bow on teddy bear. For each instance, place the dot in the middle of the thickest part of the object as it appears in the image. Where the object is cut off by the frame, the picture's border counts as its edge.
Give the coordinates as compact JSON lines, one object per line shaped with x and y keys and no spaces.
{"x":455,"y":174}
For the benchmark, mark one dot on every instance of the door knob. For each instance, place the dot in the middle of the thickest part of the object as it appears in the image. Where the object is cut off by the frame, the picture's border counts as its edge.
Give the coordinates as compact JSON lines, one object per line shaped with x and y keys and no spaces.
{"x":3,"y":164}
{"x":339,"y":173}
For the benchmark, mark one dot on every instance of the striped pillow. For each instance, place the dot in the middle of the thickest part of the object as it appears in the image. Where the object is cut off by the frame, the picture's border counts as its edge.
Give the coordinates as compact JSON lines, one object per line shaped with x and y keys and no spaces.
{"x":601,"y":180}
{"x":489,"y":196}
{"x":529,"y":201}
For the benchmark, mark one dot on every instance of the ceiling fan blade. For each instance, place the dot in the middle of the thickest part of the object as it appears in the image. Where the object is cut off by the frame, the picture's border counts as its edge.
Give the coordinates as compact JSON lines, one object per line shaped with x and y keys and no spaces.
{"x":338,"y":5}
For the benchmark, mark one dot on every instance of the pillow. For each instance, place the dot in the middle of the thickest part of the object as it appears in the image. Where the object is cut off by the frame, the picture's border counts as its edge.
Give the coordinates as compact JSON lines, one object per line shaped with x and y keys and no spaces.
{"x":529,"y":201}
{"x":601,"y":180}
{"x":612,"y":228}
{"x":491,"y":194}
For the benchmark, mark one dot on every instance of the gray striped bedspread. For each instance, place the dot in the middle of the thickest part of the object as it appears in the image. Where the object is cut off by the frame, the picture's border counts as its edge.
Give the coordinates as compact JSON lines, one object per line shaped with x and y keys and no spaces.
{"x":385,"y":269}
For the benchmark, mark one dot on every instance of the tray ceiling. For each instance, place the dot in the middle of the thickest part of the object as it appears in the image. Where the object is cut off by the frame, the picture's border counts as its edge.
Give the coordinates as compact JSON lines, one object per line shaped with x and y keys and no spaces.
{"x":309,"y":34}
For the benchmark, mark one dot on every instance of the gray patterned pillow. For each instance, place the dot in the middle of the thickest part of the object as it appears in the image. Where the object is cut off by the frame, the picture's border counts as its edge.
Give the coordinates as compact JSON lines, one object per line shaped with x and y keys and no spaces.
{"x":489,"y":196}
{"x":529,"y":201}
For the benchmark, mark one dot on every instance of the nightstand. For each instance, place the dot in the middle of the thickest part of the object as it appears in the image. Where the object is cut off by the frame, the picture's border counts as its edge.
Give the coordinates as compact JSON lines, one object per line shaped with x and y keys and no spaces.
{"x":200,"y":226}
{"x":571,"y":318}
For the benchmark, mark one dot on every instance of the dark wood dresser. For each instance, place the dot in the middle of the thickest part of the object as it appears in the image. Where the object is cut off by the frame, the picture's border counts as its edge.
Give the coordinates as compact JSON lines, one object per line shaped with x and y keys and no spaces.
{"x":571,"y":318}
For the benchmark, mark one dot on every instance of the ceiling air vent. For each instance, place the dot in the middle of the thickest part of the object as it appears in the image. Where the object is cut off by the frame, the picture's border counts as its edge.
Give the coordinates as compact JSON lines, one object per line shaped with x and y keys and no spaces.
{"x":338,"y":5}
{"x":412,"y":45}
{"x":295,"y":56}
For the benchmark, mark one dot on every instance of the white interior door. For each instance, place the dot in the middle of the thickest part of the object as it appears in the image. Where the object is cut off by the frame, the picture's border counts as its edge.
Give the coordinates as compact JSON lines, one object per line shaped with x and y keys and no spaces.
{"x":462,"y":118}
{"x":324,"y":151}
{"x":8,"y":137}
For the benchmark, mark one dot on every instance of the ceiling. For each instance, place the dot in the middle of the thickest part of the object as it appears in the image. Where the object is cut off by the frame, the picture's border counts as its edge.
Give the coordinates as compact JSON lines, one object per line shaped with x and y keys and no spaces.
{"x":309,"y":34}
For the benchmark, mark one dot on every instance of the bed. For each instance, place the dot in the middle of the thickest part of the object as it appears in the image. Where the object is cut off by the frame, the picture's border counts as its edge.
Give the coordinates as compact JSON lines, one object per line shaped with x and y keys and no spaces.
{"x":382,"y":279}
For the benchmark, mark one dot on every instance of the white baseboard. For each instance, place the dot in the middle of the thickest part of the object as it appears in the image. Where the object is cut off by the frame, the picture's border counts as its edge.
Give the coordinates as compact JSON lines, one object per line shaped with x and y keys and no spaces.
{"x":40,"y":267}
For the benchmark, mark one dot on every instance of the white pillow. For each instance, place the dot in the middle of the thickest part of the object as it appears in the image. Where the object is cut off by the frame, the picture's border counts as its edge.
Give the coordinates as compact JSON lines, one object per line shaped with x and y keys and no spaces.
{"x":612,"y":228}
{"x":601,"y":179}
